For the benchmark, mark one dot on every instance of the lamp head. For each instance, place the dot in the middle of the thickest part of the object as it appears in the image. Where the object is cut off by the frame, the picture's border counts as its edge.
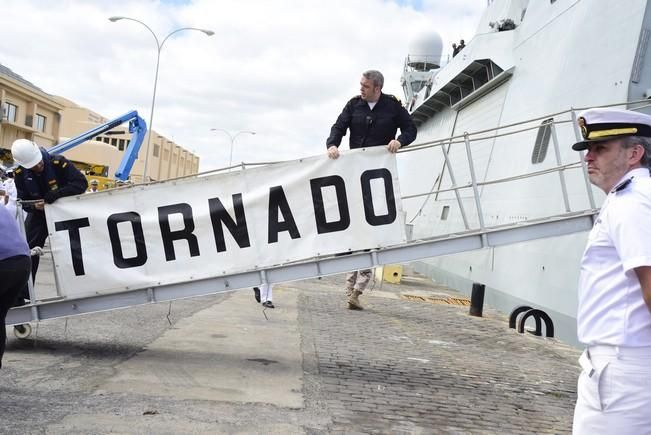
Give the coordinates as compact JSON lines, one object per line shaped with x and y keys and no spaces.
{"x":114,"y":19}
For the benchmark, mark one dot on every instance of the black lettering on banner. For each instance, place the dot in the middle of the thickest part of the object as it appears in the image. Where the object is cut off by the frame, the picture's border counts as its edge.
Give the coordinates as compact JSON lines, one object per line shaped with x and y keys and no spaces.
{"x":317,"y":185}
{"x":72,"y":226}
{"x":278,"y":201}
{"x":138,"y":237}
{"x":170,"y":236}
{"x":369,"y":210}
{"x":237,"y":227}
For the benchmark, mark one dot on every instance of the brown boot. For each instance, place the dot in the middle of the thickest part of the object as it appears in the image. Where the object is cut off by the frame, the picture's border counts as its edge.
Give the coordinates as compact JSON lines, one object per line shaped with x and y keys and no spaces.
{"x":353,"y":301}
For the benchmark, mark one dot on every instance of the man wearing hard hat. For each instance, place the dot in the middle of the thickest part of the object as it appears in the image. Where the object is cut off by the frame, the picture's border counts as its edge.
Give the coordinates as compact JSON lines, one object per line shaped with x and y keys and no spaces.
{"x":42,"y":178}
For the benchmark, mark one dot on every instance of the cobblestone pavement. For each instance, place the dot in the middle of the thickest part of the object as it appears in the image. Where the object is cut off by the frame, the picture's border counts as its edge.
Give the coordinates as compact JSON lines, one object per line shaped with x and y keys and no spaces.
{"x":221,"y":365}
{"x":402,"y":366}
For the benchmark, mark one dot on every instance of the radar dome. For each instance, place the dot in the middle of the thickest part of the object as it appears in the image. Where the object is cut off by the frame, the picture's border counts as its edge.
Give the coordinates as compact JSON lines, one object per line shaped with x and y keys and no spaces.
{"x":425,"y":51}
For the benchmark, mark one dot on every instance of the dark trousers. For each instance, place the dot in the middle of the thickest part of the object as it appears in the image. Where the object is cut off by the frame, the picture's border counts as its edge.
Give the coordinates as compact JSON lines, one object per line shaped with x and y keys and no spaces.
{"x":15,"y":273}
{"x":36,"y":229}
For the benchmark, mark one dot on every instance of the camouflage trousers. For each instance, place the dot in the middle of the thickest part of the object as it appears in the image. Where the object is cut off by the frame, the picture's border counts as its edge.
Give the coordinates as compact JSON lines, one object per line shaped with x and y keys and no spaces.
{"x":358,"y":280}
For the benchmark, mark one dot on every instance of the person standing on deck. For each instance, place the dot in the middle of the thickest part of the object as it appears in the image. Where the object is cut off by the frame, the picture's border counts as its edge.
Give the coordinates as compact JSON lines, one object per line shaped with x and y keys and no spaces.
{"x":614,"y":310}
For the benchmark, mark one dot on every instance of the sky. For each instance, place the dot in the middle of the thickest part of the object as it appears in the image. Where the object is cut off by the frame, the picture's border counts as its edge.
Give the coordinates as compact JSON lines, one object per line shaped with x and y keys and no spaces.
{"x":283,"y":68}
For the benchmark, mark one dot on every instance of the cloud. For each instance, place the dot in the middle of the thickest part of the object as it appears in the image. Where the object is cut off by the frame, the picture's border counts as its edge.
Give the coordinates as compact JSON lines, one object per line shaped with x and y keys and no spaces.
{"x":283,"y":69}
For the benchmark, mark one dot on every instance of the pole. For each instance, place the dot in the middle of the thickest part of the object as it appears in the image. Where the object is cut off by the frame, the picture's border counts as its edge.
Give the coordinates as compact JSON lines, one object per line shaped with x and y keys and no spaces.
{"x":159,"y":48}
{"x":151,"y":116}
{"x":232,"y":138}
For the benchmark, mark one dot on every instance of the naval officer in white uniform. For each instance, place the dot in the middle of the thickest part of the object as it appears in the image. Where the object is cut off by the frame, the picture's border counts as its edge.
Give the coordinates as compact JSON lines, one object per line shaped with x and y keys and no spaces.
{"x":614,"y":311}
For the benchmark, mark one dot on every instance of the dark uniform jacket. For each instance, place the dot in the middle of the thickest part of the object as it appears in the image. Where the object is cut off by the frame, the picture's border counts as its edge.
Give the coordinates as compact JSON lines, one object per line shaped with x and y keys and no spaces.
{"x":373,"y":127}
{"x":59,"y":178}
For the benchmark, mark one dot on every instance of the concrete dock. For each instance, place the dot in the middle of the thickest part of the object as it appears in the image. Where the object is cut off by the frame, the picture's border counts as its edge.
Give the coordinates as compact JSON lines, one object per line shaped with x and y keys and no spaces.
{"x":413,"y":362}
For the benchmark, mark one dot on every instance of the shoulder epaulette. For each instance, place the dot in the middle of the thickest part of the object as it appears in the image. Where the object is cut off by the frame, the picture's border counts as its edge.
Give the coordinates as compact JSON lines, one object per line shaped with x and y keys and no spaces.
{"x":623,"y":185}
{"x":56,"y":161}
{"x":18,"y":170}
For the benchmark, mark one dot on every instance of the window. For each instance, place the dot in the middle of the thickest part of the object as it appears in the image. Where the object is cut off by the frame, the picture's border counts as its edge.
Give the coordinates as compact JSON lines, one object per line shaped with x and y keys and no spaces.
{"x":542,"y":141}
{"x":11,"y":112}
{"x":107,"y":139}
{"x":156,"y":150}
{"x":114,"y":142}
{"x":166,"y":154}
{"x":121,"y":145}
{"x":40,"y":122}
{"x":445,"y":212}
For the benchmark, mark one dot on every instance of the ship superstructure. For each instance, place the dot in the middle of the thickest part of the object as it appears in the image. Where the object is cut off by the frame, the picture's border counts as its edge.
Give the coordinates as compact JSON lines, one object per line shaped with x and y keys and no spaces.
{"x":512,"y":90}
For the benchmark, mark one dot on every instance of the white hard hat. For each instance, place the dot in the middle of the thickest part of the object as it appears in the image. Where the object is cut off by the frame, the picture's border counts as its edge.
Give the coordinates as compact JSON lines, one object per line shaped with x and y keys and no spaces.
{"x":26,"y":153}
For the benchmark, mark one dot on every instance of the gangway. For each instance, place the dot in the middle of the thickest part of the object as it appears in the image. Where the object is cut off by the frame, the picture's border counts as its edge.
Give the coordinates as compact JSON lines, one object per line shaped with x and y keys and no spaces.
{"x":549,"y":227}
{"x":471,"y":237}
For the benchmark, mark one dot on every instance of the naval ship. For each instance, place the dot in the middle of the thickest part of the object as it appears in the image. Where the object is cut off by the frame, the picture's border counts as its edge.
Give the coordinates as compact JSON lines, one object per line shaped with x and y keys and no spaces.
{"x":513,"y":94}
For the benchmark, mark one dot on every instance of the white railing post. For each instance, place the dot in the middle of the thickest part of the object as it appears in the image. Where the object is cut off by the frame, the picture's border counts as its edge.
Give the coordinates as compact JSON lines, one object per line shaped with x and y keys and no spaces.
{"x":454,"y":186}
{"x":561,"y":172}
{"x":475,"y":190}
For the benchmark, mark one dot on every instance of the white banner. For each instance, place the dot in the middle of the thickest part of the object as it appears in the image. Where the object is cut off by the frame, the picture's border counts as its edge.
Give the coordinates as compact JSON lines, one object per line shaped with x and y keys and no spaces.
{"x":201,"y":227}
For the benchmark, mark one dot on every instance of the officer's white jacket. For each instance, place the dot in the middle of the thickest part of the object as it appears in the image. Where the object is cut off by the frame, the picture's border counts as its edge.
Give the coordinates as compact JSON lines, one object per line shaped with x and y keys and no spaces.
{"x":611,"y":308}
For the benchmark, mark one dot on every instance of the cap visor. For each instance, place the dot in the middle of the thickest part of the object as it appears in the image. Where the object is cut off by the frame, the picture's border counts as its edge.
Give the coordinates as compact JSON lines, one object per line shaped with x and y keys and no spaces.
{"x":583,"y":145}
{"x":580,"y":146}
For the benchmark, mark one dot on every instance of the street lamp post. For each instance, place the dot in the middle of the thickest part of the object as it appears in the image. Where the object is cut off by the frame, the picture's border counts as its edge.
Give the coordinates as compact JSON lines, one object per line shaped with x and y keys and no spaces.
{"x":232,"y":138}
{"x":159,"y":46}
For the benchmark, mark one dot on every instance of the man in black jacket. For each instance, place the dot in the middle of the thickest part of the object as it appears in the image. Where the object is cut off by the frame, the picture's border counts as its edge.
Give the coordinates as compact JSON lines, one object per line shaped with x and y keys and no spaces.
{"x":373,"y":119}
{"x":42,"y":178}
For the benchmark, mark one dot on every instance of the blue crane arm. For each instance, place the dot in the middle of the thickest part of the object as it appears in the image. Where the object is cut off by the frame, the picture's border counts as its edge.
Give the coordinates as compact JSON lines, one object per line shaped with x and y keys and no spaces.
{"x":137,"y":128}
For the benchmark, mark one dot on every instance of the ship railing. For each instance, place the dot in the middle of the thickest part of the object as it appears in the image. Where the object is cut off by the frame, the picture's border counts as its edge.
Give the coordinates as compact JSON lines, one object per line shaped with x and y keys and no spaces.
{"x":467,"y":138}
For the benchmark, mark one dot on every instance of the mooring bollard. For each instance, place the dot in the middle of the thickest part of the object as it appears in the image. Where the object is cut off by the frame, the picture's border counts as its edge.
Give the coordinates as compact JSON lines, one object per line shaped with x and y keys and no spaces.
{"x":477,"y":299}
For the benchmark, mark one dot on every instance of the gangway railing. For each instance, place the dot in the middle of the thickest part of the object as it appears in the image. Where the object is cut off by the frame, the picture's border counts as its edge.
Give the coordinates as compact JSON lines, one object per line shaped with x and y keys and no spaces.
{"x":468,"y":239}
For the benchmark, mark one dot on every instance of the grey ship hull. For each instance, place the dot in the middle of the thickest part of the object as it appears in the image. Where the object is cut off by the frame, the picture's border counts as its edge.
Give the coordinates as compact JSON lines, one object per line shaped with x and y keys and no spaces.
{"x":563,"y":54}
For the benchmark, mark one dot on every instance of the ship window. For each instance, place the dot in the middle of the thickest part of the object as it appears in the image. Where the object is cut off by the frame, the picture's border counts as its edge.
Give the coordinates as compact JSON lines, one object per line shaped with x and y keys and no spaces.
{"x":445,"y":212}
{"x":542,"y":141}
{"x":121,"y":144}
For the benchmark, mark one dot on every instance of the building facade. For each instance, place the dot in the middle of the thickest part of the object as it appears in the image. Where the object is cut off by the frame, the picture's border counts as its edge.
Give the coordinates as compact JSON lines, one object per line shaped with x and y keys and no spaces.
{"x":29,"y":112}
{"x":26,"y":112}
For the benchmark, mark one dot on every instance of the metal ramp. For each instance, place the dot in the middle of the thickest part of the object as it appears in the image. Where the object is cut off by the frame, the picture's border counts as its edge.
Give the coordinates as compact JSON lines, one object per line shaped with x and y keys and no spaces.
{"x":550,"y":227}
{"x":467,"y":239}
